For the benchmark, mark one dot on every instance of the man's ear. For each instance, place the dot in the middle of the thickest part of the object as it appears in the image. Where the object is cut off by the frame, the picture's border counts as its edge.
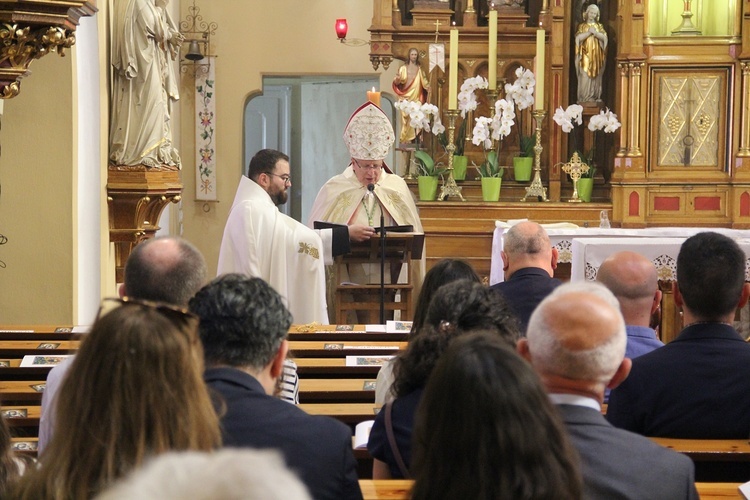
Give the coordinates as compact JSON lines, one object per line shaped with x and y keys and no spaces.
{"x":277,"y":364}
{"x":121,"y":291}
{"x":676,"y":295}
{"x":745,"y":295}
{"x":621,"y":374}
{"x":555,"y":255}
{"x":504,"y":256}
{"x":522,"y":347}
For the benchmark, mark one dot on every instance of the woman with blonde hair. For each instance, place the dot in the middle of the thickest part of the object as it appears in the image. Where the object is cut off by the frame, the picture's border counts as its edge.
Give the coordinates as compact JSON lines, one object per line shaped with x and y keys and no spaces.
{"x":134,"y":390}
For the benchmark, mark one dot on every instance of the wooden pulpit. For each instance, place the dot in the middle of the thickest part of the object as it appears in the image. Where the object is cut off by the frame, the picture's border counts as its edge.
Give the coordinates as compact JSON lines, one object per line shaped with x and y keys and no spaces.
{"x":363,"y":299}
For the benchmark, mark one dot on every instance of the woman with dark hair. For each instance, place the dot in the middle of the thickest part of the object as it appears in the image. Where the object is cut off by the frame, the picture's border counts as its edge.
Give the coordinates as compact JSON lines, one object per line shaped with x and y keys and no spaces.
{"x":456,"y":308}
{"x":445,"y":271}
{"x":485,"y":429}
{"x":134,"y":390}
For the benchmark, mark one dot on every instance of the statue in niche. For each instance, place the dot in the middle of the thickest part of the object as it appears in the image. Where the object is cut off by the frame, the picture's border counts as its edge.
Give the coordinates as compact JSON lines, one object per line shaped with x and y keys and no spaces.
{"x":145,"y":41}
{"x":591,"y":55}
{"x":410,"y":84}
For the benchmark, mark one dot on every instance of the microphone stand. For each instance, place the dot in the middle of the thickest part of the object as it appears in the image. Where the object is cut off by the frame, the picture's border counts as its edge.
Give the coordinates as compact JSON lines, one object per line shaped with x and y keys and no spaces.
{"x":371,"y":189}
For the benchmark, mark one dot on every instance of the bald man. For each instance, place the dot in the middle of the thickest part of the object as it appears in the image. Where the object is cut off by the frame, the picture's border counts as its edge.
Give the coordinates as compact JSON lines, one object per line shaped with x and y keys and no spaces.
{"x":576,"y":343}
{"x":529,"y":263}
{"x":632,"y":279}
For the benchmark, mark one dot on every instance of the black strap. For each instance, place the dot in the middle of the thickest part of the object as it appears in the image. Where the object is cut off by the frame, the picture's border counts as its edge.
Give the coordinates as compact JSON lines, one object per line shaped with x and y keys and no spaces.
{"x":392,"y":441}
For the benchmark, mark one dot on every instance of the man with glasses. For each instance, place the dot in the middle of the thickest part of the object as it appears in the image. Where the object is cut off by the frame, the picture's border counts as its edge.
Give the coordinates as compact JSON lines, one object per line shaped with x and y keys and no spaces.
{"x":262,"y":242}
{"x":346,"y":198}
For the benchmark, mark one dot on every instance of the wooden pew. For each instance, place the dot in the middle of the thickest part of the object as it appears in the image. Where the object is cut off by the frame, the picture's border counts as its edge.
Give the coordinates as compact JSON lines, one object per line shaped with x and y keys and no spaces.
{"x":21,"y":416}
{"x":334,"y":368}
{"x":349,"y":413}
{"x":398,"y":489}
{"x":302,"y":349}
{"x":709,"y":450}
{"x":336,"y":390}
{"x":15,"y":348}
{"x":25,"y":445}
{"x":22,"y":390}
{"x":342,"y":333}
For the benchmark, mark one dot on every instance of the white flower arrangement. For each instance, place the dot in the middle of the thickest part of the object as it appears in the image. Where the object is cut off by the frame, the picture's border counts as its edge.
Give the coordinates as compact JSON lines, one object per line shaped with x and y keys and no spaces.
{"x":420,"y":115}
{"x":606,"y":121}
{"x":467,"y":100}
{"x":496,"y":128}
{"x":566,"y":117}
{"x":521,"y":93}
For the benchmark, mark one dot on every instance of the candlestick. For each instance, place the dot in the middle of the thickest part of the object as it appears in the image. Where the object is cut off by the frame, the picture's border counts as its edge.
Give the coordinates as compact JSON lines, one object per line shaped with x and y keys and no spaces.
{"x":453,"y":71}
{"x":539,"y":71}
{"x":373,"y":97}
{"x":536,"y":189}
{"x":450,"y":188}
{"x":492,"y":58}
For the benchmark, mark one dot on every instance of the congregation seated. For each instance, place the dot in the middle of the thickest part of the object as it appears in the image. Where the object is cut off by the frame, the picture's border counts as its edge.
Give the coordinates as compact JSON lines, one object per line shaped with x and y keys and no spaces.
{"x":696,"y":386}
{"x":456,"y":308}
{"x":576,"y":343}
{"x":529,"y":263}
{"x":632,"y":279}
{"x":484,"y":416}
{"x":134,"y":390}
{"x":243,"y":328}
{"x":445,"y":271}
{"x":227,"y":474}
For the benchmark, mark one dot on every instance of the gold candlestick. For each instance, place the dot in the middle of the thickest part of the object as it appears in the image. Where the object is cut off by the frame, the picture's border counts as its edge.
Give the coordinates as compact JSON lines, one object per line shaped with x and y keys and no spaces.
{"x":575,"y":168}
{"x":449,"y":187}
{"x":536,"y":188}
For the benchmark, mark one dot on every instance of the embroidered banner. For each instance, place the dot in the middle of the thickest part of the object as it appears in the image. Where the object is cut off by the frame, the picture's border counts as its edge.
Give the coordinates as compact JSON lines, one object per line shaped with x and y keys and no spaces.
{"x":205,"y":145}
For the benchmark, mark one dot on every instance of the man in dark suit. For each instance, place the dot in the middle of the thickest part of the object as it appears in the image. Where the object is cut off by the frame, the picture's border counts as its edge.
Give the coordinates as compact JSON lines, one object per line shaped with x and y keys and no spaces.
{"x":696,"y":386}
{"x":529,"y":262}
{"x":576,"y":343}
{"x":243,"y":327}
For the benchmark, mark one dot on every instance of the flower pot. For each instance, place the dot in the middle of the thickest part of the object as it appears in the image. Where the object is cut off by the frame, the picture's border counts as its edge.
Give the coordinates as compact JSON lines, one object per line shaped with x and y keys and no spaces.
{"x":585,"y":187}
{"x":522,"y":167}
{"x":491,"y":188}
{"x":427,"y":187}
{"x":459,"y":167}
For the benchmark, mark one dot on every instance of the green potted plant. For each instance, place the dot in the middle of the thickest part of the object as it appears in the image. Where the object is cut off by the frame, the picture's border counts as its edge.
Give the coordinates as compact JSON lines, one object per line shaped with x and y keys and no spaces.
{"x":429,"y":171}
{"x":460,"y":162}
{"x":492,"y":176}
{"x":521,"y":94}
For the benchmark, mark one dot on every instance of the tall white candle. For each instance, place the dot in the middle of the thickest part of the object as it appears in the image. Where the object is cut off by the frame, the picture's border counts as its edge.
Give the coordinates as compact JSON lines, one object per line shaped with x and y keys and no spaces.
{"x":539,"y":70}
{"x":453,"y":70}
{"x":492,"y":52}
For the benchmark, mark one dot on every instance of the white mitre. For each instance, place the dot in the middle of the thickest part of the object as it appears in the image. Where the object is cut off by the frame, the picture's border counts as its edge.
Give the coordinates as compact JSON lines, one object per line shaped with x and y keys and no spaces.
{"x":369,"y":134}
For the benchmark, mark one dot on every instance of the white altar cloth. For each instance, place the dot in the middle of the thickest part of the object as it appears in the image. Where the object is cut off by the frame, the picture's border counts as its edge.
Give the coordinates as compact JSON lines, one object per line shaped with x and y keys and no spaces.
{"x":562,"y":239}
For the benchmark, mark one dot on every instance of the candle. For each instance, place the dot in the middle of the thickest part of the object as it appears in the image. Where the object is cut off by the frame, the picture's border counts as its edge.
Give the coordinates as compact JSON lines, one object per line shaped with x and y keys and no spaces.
{"x":453,"y":70}
{"x":492,"y":57}
{"x":373,"y":97}
{"x":539,"y":70}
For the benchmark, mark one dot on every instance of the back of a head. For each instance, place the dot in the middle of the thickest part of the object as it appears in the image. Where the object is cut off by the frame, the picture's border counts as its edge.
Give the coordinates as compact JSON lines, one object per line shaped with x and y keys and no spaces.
{"x":243,"y":321}
{"x":168,"y":269}
{"x":710,"y":275}
{"x":444,"y":272}
{"x":228,"y":474}
{"x":578,"y":333}
{"x":457,"y":308}
{"x":485,"y":405}
{"x":137,"y":384}
{"x":527,"y":239}
{"x":632,"y":278}
{"x":264,"y":161}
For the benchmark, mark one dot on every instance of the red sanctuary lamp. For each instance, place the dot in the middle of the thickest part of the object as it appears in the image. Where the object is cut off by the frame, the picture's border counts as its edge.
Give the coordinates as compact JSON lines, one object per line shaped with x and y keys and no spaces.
{"x":341,"y":29}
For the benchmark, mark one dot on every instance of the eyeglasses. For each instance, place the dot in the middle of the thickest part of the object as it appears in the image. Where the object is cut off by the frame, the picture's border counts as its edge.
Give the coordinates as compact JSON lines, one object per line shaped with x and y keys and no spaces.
{"x":374,"y":168}
{"x":174,"y":313}
{"x":285,"y":178}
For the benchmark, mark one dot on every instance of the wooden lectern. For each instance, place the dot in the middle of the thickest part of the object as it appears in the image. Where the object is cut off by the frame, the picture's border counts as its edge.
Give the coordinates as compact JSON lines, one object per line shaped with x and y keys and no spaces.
{"x":364,"y":298}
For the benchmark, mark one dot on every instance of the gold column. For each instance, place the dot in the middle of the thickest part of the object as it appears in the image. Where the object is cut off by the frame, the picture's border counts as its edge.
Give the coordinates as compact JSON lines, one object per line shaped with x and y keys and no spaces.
{"x":624,"y":76}
{"x":745,"y":111}
{"x":635,"y":109}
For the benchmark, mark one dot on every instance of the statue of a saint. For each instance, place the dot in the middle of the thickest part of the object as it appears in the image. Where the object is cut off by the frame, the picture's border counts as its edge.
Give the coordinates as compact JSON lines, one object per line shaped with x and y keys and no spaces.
{"x":591,"y":55}
{"x":410,"y":84}
{"x":145,"y":41}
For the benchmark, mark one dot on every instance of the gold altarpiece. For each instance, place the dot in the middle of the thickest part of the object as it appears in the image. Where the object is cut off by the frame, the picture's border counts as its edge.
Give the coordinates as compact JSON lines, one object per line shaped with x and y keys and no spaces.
{"x":681,"y":156}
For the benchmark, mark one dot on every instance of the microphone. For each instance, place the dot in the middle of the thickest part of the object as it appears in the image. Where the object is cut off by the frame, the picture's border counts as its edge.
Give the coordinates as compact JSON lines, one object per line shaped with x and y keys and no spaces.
{"x":371,"y":187}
